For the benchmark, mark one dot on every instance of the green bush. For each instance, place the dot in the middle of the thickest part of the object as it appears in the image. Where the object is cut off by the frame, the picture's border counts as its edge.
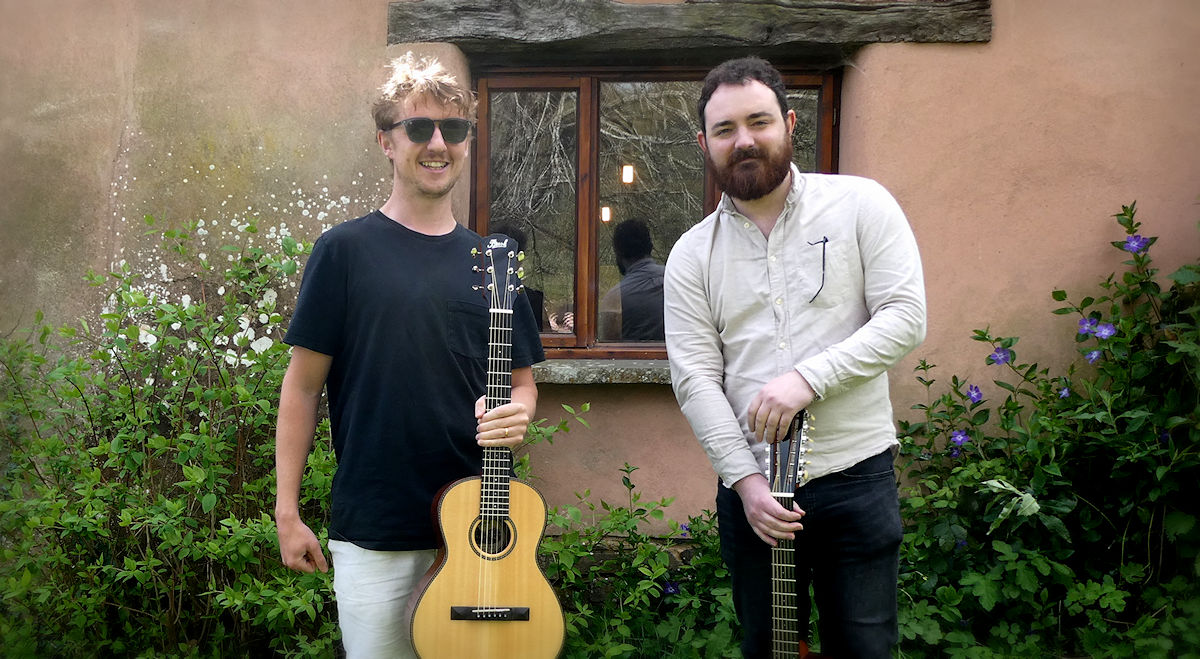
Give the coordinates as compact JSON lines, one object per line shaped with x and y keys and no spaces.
{"x":628,"y":593}
{"x":1059,"y":517}
{"x":137,"y":475}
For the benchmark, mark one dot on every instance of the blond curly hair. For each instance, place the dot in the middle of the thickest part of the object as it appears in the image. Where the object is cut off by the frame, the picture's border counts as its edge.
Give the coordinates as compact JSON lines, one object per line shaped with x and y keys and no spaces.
{"x":419,"y":76}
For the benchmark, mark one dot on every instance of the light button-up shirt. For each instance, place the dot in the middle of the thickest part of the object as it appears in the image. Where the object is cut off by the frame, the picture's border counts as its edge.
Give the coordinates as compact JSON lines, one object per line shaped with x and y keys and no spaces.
{"x":835,"y":291}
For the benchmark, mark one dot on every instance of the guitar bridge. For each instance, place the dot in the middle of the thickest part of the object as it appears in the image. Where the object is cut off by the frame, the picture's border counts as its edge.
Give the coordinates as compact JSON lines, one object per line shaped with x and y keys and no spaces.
{"x":494,"y":613}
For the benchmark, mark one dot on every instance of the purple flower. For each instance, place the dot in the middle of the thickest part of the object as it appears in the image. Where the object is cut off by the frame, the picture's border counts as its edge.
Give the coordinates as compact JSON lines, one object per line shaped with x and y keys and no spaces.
{"x":955,"y":452}
{"x":671,"y":588}
{"x":1087,"y":325}
{"x":1093,"y":356}
{"x":684,"y":530}
{"x":974,"y":394}
{"x":1064,"y":392}
{"x":1136,"y":244}
{"x":961,"y":544}
{"x":1000,"y":356}
{"x":1105,"y":331}
{"x":959,"y":437}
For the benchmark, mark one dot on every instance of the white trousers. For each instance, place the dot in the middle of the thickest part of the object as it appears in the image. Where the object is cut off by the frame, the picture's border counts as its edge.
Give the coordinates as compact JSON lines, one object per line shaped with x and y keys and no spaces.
{"x":373,"y":589}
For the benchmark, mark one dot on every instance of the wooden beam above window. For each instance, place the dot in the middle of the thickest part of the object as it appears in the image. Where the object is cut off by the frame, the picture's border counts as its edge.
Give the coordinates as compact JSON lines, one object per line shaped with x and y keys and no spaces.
{"x":691,"y":32}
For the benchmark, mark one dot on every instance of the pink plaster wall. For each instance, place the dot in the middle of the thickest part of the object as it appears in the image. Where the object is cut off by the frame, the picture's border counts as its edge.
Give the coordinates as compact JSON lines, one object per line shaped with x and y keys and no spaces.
{"x":1011,"y":157}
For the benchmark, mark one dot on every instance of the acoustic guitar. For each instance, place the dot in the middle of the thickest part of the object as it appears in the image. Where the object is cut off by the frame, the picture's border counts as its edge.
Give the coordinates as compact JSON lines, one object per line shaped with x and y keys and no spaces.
{"x":485,"y":596}
{"x":789,"y":471}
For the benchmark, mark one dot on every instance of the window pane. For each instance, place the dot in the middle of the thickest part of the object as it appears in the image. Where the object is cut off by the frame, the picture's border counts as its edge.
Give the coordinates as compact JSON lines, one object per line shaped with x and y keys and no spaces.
{"x":806,"y":103}
{"x":532,"y":162}
{"x":651,"y":172}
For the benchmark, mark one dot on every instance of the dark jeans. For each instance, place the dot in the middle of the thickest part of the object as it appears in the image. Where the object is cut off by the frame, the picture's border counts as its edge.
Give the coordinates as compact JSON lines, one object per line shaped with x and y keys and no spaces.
{"x":849,"y":551}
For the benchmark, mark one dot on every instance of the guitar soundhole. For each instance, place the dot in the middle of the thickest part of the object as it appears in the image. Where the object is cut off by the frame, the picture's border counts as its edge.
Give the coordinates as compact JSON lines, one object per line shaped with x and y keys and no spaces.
{"x":493,"y":538}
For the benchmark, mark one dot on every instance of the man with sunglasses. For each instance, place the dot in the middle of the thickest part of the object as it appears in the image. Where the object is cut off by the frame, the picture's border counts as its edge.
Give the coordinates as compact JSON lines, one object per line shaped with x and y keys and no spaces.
{"x":389,"y":320}
{"x":798,"y":292}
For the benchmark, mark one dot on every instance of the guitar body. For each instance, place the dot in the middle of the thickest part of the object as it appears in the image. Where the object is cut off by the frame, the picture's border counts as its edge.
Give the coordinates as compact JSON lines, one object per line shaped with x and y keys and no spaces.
{"x":506,"y":607}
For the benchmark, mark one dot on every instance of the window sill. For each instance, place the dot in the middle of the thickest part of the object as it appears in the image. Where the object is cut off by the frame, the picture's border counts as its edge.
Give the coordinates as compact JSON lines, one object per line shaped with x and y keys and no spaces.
{"x":602,"y":371}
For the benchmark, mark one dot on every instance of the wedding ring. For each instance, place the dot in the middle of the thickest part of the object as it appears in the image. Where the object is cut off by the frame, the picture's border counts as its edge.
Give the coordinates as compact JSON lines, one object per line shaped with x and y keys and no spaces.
{"x":506,"y":432}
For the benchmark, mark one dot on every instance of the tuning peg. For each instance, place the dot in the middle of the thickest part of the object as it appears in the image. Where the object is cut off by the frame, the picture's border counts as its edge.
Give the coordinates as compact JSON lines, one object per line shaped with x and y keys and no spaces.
{"x":521,"y":272}
{"x":520,"y":256}
{"x":474,"y":251}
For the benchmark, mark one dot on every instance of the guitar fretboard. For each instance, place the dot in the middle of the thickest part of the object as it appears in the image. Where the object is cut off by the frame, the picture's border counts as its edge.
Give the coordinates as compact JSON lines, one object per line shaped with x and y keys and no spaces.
{"x":497,"y":461}
{"x":787,"y":472}
{"x":785,"y":637}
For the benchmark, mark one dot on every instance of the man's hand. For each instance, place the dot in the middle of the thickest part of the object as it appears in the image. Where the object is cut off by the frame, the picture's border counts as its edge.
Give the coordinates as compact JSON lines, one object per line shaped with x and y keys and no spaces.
{"x":503,"y":426}
{"x":771,"y":522}
{"x":771,"y":412}
{"x":298,"y":546}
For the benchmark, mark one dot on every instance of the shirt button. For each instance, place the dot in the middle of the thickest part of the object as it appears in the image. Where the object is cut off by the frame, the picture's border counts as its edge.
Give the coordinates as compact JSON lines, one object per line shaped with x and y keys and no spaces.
{"x":746,"y":225}
{"x":783,"y":345}
{"x":772,"y":258}
{"x":778,"y":300}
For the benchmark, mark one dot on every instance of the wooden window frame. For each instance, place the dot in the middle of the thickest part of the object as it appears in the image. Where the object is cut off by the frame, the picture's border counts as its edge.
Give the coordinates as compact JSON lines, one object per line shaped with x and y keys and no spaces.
{"x":582,"y":343}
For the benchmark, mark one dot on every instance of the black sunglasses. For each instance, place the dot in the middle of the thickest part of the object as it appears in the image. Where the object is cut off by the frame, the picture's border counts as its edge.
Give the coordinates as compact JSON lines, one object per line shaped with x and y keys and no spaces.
{"x":420,"y":129}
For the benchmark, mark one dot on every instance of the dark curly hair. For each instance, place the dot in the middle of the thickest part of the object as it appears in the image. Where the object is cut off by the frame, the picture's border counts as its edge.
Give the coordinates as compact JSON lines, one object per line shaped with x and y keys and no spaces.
{"x":740,"y":71}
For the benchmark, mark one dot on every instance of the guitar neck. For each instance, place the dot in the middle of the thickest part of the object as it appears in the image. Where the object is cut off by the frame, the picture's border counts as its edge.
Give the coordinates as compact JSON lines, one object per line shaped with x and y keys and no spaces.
{"x":497,"y":460}
{"x":785,"y":637}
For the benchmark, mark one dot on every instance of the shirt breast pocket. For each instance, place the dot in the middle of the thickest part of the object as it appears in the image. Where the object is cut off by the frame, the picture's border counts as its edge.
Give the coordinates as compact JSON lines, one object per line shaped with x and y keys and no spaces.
{"x":467,"y":328}
{"x":832,"y":272}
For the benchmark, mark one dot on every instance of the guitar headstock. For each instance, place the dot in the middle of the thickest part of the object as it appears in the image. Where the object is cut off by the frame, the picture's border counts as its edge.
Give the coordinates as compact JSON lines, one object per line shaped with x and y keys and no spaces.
{"x":501,"y":270}
{"x":787,"y":464}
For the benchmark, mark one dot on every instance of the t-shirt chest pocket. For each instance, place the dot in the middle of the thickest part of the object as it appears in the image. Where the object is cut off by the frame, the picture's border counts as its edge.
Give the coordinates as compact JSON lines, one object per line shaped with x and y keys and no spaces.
{"x":467,"y":328}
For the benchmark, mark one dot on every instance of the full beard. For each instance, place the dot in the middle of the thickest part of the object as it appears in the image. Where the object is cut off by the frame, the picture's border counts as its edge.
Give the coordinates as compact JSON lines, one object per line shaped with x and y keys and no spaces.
{"x":752,"y":174}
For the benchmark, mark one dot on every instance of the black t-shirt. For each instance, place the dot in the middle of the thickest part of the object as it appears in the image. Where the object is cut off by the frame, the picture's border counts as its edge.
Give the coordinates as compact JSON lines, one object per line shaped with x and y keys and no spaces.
{"x":398,"y":312}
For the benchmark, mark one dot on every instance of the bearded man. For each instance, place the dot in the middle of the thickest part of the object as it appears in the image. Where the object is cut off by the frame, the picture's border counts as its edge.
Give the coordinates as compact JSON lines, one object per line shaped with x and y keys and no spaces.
{"x":798,"y":292}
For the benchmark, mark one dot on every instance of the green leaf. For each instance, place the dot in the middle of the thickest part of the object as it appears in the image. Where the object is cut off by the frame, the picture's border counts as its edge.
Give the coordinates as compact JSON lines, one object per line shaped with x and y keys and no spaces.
{"x":208,"y":502}
{"x":1178,"y":523}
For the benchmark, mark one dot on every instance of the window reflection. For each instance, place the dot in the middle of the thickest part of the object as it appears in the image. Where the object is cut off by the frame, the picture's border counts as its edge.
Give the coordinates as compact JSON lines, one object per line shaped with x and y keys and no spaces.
{"x":651,"y":178}
{"x":532,"y":162}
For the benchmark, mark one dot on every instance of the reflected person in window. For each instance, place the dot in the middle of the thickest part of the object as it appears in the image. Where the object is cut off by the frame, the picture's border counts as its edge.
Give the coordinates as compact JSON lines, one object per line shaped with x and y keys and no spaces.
{"x":389,"y":323}
{"x":633,"y":309}
{"x":799,"y":292}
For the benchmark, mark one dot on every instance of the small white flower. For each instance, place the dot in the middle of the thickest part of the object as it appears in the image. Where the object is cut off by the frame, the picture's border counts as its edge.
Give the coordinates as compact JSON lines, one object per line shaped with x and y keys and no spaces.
{"x":186,"y":300}
{"x":261,"y":344}
{"x":146,"y":337}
